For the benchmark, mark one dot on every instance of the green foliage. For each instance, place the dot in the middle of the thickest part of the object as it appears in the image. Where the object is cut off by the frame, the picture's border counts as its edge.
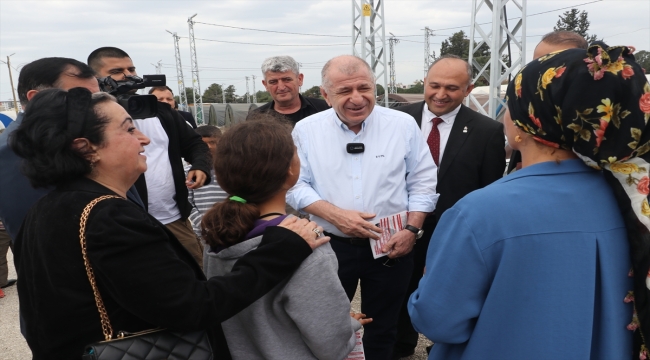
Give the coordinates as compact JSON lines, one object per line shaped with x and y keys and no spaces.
{"x":263,"y":96}
{"x":213,"y":94}
{"x":457,"y":44}
{"x":230,"y":95}
{"x":313,"y":92}
{"x":417,"y":88}
{"x":643,"y":58}
{"x":380,"y":90}
{"x":577,"y":21}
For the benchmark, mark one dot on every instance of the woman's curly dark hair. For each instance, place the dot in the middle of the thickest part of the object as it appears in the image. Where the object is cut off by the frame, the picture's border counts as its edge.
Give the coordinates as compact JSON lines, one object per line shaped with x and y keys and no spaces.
{"x":44,"y":142}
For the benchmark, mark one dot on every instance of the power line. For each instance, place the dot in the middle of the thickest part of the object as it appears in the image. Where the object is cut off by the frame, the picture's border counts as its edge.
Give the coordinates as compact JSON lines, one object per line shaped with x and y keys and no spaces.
{"x":247,"y":43}
{"x":272,"y":31}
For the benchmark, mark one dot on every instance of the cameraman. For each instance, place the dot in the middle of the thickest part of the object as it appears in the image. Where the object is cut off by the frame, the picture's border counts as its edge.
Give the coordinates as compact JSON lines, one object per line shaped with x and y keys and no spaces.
{"x":163,"y":187}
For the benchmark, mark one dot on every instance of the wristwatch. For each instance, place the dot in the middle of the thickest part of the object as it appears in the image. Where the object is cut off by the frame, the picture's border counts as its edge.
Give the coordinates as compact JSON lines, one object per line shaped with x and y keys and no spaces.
{"x":418,"y":232}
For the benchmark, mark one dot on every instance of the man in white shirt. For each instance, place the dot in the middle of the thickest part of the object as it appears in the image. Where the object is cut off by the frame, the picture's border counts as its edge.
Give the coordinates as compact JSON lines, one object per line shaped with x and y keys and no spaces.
{"x":164,"y":186}
{"x":347,"y":187}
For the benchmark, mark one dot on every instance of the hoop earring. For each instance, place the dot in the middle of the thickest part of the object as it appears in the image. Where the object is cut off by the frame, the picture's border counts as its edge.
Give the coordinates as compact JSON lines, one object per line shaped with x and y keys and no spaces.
{"x":518,"y":138}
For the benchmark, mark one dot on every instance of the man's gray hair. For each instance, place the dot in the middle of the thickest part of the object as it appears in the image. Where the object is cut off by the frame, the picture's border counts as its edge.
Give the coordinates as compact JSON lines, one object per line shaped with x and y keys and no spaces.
{"x":470,"y":73}
{"x":280,"y":64}
{"x":348,"y":68}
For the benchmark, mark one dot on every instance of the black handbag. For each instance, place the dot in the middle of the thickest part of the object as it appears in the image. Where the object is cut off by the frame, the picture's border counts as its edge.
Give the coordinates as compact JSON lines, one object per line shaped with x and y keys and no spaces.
{"x":154,"y":344}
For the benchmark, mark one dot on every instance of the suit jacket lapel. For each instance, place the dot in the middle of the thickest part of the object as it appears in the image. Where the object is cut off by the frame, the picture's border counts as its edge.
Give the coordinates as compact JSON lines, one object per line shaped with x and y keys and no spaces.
{"x":417,"y":115}
{"x":457,"y":138}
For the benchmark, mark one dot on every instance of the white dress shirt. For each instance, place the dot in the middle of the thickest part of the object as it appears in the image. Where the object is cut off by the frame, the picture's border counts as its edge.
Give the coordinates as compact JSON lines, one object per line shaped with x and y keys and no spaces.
{"x":444,"y":127}
{"x":393,"y":174}
{"x":161,"y":190}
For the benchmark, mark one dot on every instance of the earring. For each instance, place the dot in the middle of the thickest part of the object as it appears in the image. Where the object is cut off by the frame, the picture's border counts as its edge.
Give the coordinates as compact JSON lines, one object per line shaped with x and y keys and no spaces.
{"x":518,"y":138}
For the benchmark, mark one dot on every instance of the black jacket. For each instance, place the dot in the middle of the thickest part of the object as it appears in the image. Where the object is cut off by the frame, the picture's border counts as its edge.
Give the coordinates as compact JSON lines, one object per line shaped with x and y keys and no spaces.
{"x":145,"y":276}
{"x":474,"y":156}
{"x":184,"y":143}
{"x":308,"y":107}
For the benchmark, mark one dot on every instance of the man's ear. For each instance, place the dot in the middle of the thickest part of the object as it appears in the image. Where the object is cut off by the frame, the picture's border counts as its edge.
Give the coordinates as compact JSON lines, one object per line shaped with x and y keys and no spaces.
{"x":31,"y":94}
{"x":324,"y":95}
{"x":300,"y":79}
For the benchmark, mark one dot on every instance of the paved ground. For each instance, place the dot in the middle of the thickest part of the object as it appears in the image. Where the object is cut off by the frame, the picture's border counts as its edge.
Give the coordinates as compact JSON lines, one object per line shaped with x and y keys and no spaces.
{"x":14,"y":347}
{"x":12,"y":343}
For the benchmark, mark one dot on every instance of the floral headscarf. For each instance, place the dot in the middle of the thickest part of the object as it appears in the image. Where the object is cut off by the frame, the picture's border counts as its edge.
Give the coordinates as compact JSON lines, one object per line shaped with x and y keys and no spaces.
{"x":597,"y":104}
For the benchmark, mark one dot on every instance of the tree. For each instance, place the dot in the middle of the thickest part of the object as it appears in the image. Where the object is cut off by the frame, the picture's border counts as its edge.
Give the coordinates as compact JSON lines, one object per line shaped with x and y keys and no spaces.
{"x":457,"y":44}
{"x":213,"y":94}
{"x":189,"y":95}
{"x":573,"y":20}
{"x":380,"y":90}
{"x":263,"y":96}
{"x":643,"y":58}
{"x":313,"y":92}
{"x":230,"y":94}
{"x":417,"y":88}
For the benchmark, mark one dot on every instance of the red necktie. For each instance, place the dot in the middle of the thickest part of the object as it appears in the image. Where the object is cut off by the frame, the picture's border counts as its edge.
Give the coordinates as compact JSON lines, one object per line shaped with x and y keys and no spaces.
{"x":434,"y":140}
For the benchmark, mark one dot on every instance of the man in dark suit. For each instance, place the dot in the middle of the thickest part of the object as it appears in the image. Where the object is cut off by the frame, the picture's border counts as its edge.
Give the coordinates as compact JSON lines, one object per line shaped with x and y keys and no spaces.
{"x":467,"y":147}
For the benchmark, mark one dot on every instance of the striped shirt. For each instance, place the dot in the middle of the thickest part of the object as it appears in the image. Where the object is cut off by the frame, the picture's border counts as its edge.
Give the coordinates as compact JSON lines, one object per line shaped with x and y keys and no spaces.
{"x":202,"y":200}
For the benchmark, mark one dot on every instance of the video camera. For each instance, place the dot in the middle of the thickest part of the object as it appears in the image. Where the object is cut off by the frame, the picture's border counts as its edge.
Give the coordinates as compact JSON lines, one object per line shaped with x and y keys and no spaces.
{"x":138,"y":106}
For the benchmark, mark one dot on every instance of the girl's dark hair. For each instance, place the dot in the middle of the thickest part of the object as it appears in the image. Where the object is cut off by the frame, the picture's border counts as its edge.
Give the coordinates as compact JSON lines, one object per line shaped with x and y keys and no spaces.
{"x":252,"y":162}
{"x":45,"y":143}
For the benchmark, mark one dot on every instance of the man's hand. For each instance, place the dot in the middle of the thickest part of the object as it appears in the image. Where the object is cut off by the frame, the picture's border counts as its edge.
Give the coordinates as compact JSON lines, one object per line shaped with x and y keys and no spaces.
{"x":353,"y":223}
{"x":361,"y":318}
{"x":400,"y":244}
{"x":195,"y":179}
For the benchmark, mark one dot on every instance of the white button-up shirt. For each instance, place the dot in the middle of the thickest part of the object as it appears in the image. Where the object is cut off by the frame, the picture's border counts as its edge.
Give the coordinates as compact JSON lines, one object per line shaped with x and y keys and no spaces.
{"x":395,"y":172}
{"x":444,"y":128}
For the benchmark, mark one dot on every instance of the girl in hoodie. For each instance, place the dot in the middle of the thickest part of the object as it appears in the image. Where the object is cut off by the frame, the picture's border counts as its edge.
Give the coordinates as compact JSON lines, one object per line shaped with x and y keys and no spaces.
{"x":306,"y":316}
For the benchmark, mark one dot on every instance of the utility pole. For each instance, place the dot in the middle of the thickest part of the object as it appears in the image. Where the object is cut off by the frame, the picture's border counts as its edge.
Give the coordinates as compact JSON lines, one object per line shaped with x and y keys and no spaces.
{"x":196,"y":85}
{"x":392,"y":41}
{"x":254,"y":93}
{"x":248,"y":94}
{"x":223,"y":93}
{"x":182,"y":96}
{"x":427,"y":50}
{"x":370,"y":45}
{"x":11,"y":81}
{"x":158,"y":67}
{"x":498,"y":38}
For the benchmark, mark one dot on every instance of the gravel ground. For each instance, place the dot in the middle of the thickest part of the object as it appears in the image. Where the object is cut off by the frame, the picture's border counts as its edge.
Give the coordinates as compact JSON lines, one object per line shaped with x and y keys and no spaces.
{"x":14,"y":347}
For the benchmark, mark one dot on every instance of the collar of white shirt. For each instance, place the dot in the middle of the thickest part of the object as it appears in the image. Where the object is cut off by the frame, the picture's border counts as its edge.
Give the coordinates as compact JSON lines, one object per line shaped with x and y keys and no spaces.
{"x":448,"y":118}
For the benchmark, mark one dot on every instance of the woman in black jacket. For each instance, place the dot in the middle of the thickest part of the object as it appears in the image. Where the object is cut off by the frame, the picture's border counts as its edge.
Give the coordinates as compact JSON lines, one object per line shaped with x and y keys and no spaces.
{"x":86,"y":146}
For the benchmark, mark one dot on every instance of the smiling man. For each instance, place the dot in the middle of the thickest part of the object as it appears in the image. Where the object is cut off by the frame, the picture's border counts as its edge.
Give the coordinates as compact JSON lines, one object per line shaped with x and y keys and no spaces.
{"x":282,"y":79}
{"x":468,"y":148}
{"x":346,"y":188}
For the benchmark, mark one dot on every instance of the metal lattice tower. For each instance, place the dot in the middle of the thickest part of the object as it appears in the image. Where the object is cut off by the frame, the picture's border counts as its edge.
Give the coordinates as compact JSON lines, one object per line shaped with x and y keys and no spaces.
{"x":196,"y":85}
{"x":370,"y":44}
{"x":223,"y":93}
{"x":158,"y":67}
{"x":182,"y":96}
{"x":254,"y":93}
{"x":392,"y":41}
{"x":499,"y":38}
{"x":428,"y":56}
{"x":248,"y":94}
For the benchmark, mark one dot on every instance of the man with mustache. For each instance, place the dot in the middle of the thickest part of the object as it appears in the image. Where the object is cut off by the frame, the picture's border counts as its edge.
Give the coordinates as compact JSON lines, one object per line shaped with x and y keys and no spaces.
{"x":361,"y":163}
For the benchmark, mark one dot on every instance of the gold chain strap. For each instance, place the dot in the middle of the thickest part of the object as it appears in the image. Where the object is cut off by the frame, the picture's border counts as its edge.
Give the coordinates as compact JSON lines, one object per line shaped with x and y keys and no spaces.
{"x":107,"y":329}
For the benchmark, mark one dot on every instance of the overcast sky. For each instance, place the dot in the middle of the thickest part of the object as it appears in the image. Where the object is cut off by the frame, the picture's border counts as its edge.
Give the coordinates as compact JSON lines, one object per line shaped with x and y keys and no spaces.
{"x":36,"y":29}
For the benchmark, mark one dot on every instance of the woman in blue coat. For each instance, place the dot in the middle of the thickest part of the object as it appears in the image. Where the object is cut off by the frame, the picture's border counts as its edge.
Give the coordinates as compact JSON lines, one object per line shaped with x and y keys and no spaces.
{"x":537,"y":265}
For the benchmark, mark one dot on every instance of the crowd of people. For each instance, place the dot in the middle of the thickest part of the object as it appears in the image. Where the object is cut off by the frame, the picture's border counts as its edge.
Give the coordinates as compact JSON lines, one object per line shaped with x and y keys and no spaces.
{"x":260,"y":236}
